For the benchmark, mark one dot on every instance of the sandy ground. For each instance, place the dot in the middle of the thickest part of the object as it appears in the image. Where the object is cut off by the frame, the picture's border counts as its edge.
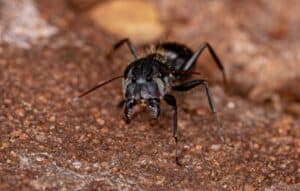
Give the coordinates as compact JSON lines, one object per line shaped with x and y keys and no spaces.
{"x":49,"y":142}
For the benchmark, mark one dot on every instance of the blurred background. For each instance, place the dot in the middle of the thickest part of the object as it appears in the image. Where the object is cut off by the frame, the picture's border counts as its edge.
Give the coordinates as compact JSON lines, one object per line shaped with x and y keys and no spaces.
{"x":52,"y":50}
{"x":257,"y":40}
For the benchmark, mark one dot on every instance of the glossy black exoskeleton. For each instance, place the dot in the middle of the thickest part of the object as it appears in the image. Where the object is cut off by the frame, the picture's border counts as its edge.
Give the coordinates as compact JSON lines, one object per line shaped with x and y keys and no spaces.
{"x":153,"y":77}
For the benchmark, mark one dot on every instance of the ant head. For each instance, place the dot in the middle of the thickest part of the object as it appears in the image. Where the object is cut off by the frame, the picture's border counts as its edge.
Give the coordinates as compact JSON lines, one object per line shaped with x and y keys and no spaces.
{"x":143,"y":80}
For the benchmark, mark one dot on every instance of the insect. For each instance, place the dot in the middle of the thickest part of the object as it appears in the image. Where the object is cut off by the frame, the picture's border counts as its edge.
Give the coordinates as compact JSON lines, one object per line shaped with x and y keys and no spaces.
{"x":151,"y":78}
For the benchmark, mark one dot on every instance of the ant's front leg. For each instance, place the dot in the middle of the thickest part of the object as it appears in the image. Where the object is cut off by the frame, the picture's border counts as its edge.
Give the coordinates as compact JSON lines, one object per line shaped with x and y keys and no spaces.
{"x":171,"y":100}
{"x":212,"y":52}
{"x":128,"y":109}
{"x":190,"y":85}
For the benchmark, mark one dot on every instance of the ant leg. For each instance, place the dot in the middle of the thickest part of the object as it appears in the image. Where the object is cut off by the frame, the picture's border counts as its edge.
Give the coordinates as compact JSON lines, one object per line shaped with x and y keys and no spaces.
{"x":172,"y":102}
{"x":154,"y":106}
{"x":189,"y":85}
{"x":120,"y":43}
{"x":128,"y":109}
{"x":198,"y":52}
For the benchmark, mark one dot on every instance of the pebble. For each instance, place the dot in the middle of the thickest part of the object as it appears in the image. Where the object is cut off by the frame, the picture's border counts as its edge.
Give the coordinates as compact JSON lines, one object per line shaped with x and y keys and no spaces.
{"x":104,"y":130}
{"x":39,"y":159}
{"x":20,"y":112}
{"x":160,"y":180}
{"x":100,"y":121}
{"x":215,"y":147}
{"x":42,"y":99}
{"x":231,"y":105}
{"x":13,"y":154}
{"x":77,"y":164}
{"x":52,"y":118}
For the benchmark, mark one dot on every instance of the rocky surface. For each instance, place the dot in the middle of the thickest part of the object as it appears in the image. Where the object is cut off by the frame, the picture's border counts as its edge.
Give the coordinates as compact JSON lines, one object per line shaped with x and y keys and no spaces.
{"x":50,"y":142}
{"x":21,"y":24}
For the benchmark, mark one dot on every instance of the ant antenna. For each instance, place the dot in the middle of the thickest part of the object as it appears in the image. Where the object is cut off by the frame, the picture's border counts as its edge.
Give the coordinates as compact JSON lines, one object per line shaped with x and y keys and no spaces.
{"x":98,"y":86}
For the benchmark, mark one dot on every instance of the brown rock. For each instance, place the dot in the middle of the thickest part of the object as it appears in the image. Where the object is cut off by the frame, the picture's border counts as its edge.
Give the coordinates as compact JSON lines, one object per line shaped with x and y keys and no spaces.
{"x":87,"y":145}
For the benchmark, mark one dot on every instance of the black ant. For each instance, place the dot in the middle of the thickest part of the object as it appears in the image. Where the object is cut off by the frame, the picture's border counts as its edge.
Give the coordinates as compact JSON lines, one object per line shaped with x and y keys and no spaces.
{"x":151,"y":78}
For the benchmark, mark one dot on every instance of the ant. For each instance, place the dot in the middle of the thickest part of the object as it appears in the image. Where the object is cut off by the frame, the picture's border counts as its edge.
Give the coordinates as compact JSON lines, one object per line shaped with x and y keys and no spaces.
{"x":149,"y":79}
